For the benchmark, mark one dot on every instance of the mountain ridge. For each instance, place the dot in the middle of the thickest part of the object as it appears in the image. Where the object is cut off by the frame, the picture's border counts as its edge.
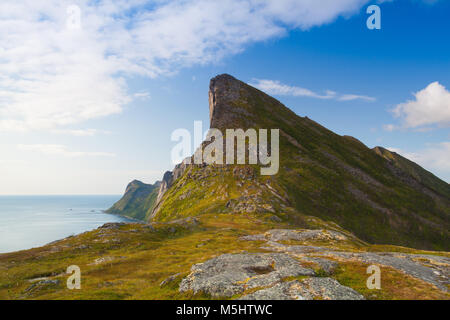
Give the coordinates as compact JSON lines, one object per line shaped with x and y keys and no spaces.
{"x":380,"y":196}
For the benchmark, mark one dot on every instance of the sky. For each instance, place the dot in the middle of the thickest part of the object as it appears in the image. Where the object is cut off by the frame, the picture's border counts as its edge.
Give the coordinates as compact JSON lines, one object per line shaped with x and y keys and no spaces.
{"x":91,"y":91}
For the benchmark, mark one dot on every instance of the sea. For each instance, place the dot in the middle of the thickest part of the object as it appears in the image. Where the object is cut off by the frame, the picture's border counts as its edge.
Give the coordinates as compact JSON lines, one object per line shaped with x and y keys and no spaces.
{"x":33,"y":221}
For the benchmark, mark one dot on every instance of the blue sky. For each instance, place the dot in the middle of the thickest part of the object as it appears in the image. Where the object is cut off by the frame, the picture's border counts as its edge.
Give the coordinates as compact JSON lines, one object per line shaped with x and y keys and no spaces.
{"x":134,"y":71}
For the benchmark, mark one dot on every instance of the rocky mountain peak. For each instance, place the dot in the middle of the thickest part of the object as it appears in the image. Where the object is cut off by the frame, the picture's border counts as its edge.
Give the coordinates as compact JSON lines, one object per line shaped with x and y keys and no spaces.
{"x":235,"y":104}
{"x":223,"y":91}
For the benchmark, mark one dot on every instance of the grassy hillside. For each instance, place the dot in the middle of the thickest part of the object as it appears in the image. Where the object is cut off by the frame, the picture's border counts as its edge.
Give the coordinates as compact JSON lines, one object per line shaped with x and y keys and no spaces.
{"x":131,"y":261}
{"x":335,"y":178}
{"x":406,"y":168}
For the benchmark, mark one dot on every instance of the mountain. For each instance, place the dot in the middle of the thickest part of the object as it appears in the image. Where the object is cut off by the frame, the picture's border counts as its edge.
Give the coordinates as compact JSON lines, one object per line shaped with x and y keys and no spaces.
{"x":378,"y":195}
{"x":228,"y":232}
{"x":138,"y":200}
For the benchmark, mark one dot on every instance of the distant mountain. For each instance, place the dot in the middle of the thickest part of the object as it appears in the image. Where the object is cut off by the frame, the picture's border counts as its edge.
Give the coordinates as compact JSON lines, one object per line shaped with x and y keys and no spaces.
{"x":378,"y":195}
{"x":138,"y":201}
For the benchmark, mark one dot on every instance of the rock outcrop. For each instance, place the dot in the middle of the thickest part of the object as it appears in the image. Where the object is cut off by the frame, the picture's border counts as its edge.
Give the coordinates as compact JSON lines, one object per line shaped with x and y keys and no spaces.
{"x":231,"y":274}
{"x":307,"y":289}
{"x":224,"y":90}
{"x":432,"y":269}
{"x":265,"y":276}
{"x":301,"y":272}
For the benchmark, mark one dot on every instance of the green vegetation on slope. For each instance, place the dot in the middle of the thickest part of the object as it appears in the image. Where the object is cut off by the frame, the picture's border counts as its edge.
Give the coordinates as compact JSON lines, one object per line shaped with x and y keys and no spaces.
{"x":417,"y":172}
{"x":335,"y":178}
{"x":139,"y":199}
{"x":132,"y":260}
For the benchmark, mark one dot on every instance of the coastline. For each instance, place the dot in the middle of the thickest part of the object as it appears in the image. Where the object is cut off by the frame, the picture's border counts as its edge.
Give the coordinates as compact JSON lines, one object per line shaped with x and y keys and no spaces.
{"x":29,"y":222}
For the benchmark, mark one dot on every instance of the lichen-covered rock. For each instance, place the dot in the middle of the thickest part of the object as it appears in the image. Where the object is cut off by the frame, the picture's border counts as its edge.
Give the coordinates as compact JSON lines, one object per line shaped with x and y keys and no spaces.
{"x":41,"y":284}
{"x":299,"y":235}
{"x":280,"y":291}
{"x":231,"y":274}
{"x":326,"y":265}
{"x":107,"y":259}
{"x":169,"y":279}
{"x":307,"y":289}
{"x":302,"y":235}
{"x":254,"y":237}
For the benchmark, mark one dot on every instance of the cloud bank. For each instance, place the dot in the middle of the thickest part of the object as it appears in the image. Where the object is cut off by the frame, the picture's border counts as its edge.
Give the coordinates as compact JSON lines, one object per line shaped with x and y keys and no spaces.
{"x":61,"y":69}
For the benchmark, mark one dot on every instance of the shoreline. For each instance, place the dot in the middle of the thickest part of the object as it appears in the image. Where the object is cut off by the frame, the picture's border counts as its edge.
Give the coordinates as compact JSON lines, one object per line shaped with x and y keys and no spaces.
{"x":30,"y":222}
{"x":71,"y":236}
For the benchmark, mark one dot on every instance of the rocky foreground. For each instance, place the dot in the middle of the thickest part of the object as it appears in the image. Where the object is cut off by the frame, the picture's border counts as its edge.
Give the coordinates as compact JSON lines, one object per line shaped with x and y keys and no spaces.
{"x":265,"y":274}
{"x":223,"y":256}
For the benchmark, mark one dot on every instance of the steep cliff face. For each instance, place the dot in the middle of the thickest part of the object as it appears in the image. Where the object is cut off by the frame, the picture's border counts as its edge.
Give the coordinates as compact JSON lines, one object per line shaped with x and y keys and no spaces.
{"x":322,"y":174}
{"x":224,"y":90}
{"x":165,"y":185}
{"x":167,"y":181}
{"x":138,"y":199}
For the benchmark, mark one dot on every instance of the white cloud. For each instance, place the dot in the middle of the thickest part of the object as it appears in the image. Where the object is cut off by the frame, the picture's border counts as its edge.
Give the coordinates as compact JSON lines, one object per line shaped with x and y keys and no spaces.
{"x":60,"y":150}
{"x":142,"y":95}
{"x":431,"y":106}
{"x":351,"y":97}
{"x":53,"y":76}
{"x":435,"y":158}
{"x":14,"y":163}
{"x":389,"y":127}
{"x":277,"y":88}
{"x":80,"y":132}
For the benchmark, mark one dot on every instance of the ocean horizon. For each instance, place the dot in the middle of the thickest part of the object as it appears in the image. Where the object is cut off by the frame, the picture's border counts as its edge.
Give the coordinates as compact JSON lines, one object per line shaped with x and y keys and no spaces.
{"x":29,"y":221}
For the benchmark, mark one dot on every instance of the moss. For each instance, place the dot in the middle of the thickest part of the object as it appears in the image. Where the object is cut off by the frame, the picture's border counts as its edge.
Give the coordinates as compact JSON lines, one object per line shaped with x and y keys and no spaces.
{"x":142,"y":260}
{"x":395,"y":285}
